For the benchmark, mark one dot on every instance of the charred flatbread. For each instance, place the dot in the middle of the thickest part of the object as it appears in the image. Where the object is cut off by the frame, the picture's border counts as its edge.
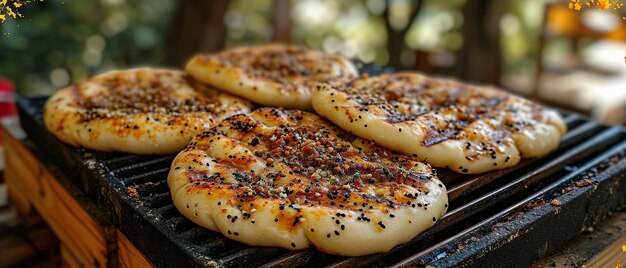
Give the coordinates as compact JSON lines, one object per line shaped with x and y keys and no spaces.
{"x":291,"y":179}
{"x":141,"y":111}
{"x":467,"y":128}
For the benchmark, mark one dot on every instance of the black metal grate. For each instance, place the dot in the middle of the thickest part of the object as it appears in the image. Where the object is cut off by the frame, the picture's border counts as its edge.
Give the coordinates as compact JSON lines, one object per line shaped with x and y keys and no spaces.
{"x":491,"y":218}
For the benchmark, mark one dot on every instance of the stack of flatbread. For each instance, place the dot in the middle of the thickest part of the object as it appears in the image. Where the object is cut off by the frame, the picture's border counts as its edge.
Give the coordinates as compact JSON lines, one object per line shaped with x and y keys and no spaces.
{"x":290,"y":147}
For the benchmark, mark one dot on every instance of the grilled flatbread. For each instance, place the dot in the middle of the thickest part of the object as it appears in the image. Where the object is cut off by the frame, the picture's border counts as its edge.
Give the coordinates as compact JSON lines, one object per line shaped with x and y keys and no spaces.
{"x":141,"y":111}
{"x":469,"y":129}
{"x":291,"y":179}
{"x":274,"y":75}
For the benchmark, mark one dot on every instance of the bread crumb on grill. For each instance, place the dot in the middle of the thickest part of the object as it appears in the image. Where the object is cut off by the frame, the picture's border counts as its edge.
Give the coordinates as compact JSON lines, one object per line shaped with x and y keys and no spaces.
{"x":539,"y":203}
{"x":583,"y":183}
{"x":555,"y":203}
{"x":567,"y":190}
{"x":132,"y":191}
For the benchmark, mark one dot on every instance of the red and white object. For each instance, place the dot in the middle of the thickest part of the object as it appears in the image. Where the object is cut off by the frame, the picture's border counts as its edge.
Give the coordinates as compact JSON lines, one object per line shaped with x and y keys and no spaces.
{"x":7,"y":98}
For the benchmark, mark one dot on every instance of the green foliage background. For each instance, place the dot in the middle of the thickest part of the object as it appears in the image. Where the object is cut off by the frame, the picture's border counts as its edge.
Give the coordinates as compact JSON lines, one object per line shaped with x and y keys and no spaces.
{"x":59,"y":42}
{"x":61,"y":34}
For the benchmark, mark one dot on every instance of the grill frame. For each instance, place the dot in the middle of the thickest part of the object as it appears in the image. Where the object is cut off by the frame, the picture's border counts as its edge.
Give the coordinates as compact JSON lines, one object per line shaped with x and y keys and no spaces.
{"x":150,"y":219}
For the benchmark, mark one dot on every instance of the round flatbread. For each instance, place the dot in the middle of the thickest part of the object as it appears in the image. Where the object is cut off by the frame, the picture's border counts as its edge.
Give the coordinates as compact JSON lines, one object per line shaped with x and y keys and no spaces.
{"x":141,"y":111}
{"x":291,"y":179}
{"x":469,"y":129}
{"x":275,"y":75}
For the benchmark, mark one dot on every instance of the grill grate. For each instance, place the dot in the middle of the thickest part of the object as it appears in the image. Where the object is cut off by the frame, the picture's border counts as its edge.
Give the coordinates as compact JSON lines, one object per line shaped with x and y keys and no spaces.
{"x":488,"y":213}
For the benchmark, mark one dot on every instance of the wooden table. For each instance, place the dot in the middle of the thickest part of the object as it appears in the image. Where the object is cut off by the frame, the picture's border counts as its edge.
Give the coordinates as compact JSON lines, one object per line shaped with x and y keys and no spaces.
{"x":36,"y":187}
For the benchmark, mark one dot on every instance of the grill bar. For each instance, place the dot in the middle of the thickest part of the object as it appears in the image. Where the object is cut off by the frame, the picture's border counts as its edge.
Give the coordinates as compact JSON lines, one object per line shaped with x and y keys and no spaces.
{"x":248,"y":257}
{"x":572,"y":119}
{"x":142,"y":166}
{"x":148,"y":176}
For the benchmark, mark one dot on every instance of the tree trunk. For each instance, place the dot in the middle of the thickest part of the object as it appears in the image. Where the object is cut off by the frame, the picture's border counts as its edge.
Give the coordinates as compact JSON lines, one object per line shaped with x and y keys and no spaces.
{"x":282,"y":21}
{"x":395,"y":37}
{"x":480,"y":56}
{"x":196,"y":26}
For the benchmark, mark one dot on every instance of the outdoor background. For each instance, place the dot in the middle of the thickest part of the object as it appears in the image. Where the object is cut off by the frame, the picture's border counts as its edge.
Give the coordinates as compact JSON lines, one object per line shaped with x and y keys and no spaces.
{"x":60,"y":42}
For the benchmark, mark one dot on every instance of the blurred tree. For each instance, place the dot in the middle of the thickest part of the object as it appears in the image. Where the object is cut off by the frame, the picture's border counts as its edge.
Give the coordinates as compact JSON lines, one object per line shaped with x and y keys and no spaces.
{"x":282,"y":21}
{"x":57,"y":43}
{"x":480,"y":57}
{"x":396,"y":32}
{"x":196,"y":26}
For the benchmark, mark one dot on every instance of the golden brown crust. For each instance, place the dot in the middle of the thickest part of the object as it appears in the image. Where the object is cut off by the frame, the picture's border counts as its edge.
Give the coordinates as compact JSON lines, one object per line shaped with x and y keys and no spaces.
{"x":304,"y":169}
{"x":469,"y":129}
{"x":144,"y":111}
{"x":273,"y":75}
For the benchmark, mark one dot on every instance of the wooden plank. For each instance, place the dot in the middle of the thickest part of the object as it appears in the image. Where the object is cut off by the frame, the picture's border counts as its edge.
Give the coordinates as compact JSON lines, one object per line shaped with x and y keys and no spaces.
{"x":613,"y":256}
{"x":17,"y":198}
{"x":69,"y":260}
{"x":65,"y":219}
{"x":129,"y":254}
{"x":76,"y":228}
{"x":15,"y":248}
{"x":24,"y":244}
